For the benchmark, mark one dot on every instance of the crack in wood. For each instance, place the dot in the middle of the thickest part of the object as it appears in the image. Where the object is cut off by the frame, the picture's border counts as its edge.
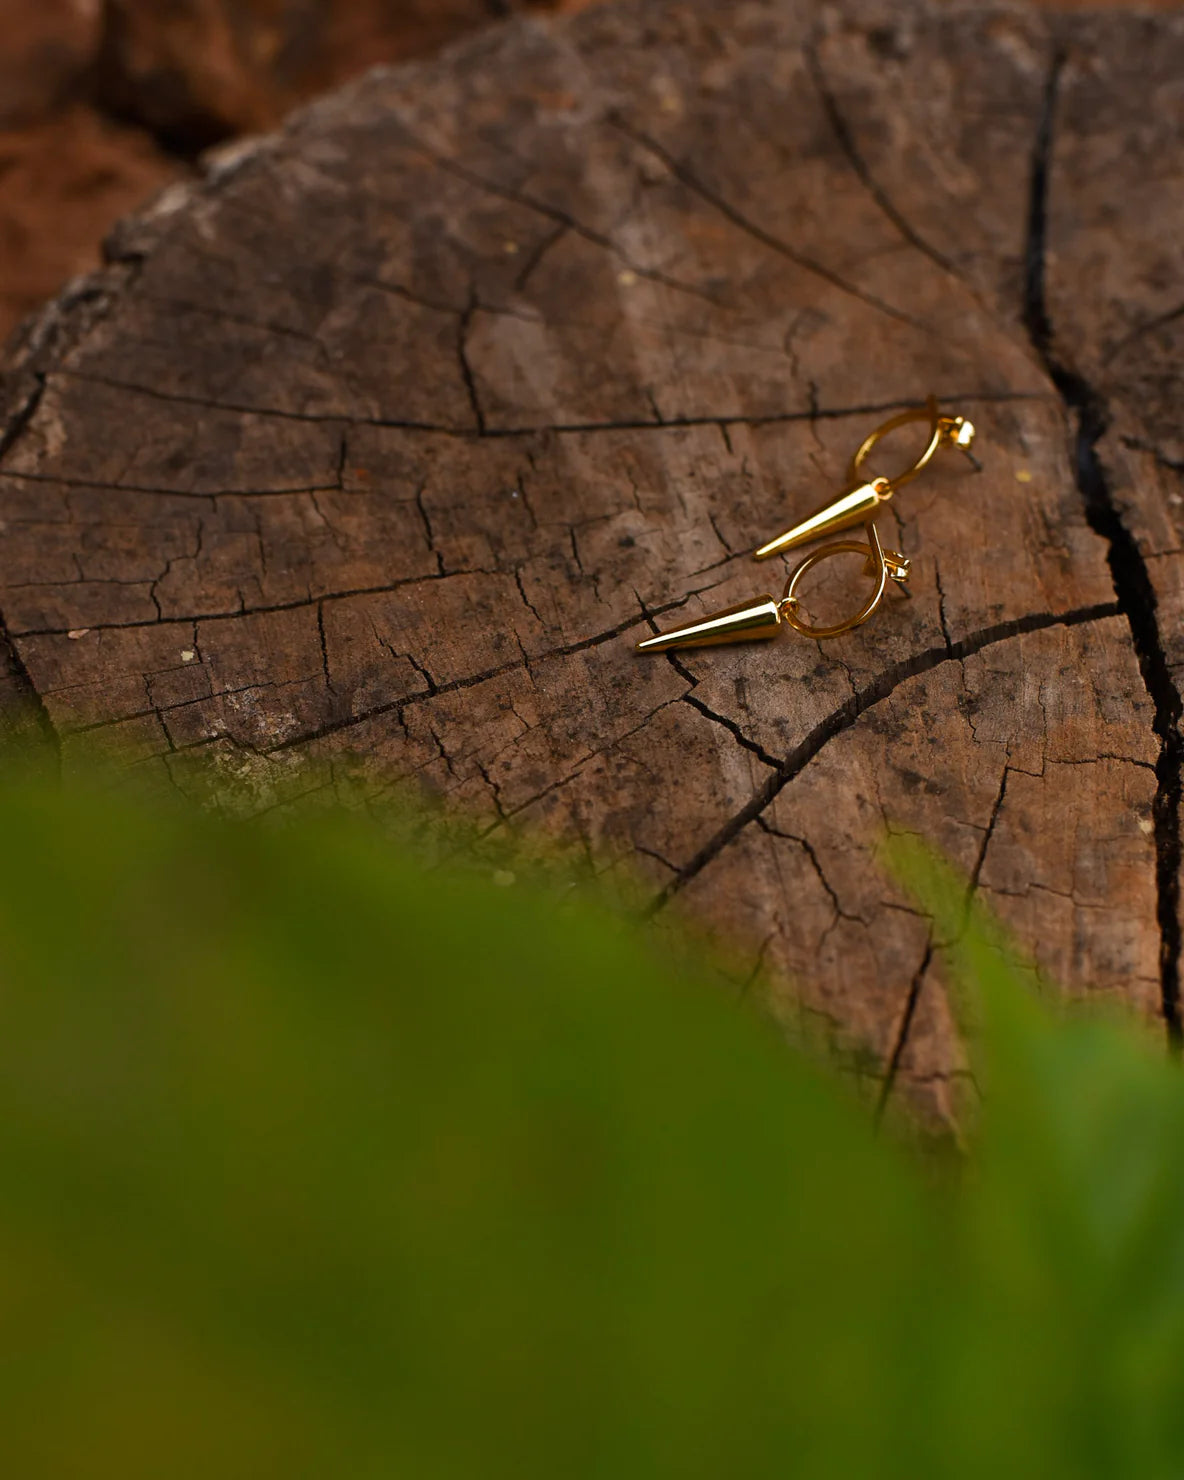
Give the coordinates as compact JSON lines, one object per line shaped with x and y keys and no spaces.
{"x":1132,"y":581}
{"x":466,"y":368}
{"x":396,"y":706}
{"x":850,"y":150}
{"x":240,"y":611}
{"x":816,"y":864}
{"x":992,"y":820}
{"x":896,"y":1057}
{"x":560,"y":217}
{"x":482,"y":430}
{"x":691,"y":698}
{"x":732,"y":213}
{"x":845,"y":716}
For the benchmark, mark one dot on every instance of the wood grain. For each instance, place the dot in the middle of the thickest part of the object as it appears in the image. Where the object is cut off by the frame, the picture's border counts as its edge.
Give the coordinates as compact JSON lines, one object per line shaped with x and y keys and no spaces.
{"x":364,"y":464}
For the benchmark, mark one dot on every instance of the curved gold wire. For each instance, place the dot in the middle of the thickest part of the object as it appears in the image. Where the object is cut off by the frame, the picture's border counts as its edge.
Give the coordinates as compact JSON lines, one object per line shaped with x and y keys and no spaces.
{"x":929,"y":413}
{"x":881,"y":564}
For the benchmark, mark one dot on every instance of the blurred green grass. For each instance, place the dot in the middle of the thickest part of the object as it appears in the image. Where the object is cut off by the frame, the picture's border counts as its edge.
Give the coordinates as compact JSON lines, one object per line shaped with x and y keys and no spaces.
{"x":317,"y":1163}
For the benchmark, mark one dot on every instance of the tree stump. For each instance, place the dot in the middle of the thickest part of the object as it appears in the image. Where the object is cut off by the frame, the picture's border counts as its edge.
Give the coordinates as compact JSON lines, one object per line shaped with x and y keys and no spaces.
{"x":368,"y":459}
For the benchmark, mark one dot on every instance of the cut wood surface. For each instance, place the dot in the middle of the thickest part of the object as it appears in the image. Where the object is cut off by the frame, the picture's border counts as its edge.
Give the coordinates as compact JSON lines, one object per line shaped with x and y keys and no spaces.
{"x":368,"y":459}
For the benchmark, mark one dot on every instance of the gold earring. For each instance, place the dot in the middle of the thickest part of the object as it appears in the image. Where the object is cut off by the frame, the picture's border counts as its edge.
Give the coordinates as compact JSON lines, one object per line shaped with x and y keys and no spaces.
{"x":762,"y":617}
{"x":864,"y":497}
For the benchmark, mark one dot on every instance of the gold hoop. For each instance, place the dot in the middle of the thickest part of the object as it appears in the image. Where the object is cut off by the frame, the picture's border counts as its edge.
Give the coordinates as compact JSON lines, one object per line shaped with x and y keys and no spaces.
{"x":880,"y":563}
{"x":954,"y":429}
{"x":929,"y":413}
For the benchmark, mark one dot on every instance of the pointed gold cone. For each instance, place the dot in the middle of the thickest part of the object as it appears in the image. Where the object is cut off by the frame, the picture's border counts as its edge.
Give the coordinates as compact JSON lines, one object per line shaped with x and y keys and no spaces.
{"x":748,"y":622}
{"x":852,"y":507}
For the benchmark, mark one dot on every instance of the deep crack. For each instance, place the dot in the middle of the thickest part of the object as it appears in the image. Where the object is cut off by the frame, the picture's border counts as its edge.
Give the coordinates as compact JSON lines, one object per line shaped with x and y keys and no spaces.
{"x":469,"y":433}
{"x":324,"y":647}
{"x":466,"y":369}
{"x":720,"y":719}
{"x":892,"y":1069}
{"x":851,"y":152}
{"x":1132,"y":582}
{"x":846,"y":715}
{"x":981,"y":858}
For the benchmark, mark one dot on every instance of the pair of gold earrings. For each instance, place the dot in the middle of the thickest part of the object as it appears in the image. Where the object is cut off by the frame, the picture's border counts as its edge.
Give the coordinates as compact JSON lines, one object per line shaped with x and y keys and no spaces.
{"x":762,"y":617}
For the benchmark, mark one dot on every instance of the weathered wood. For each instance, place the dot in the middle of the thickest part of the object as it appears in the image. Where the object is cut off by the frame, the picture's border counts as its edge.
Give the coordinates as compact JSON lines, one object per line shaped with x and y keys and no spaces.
{"x":369,"y":458}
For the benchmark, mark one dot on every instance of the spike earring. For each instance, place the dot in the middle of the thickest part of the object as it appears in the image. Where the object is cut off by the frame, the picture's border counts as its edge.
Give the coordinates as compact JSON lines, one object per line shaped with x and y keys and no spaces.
{"x":762,"y":617}
{"x":862,"y":500}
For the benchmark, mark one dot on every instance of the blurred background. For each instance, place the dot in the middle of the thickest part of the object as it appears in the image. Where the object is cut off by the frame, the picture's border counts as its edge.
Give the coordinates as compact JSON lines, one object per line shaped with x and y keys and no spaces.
{"x":102,"y":102}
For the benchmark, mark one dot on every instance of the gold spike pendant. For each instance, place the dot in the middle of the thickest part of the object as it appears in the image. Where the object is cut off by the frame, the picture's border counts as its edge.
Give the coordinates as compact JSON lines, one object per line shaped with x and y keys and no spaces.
{"x":856,"y":506}
{"x":751,"y":621}
{"x":861,"y":500}
{"x":763,"y":617}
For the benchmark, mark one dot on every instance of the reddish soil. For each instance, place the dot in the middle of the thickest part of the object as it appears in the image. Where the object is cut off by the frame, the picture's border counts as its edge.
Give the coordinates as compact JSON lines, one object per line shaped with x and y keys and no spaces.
{"x":104,"y":101}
